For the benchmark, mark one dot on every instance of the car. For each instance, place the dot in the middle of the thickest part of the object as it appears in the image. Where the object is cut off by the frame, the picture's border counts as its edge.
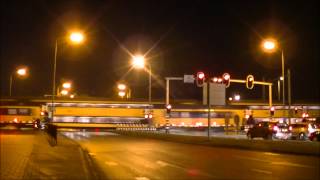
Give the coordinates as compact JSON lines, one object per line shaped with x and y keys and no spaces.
{"x":282,"y":131}
{"x":261,"y":129}
{"x":302,"y":131}
{"x":315,"y":136}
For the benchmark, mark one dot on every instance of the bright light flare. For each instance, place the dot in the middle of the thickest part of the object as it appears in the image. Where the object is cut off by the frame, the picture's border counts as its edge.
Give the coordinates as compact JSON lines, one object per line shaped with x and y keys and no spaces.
{"x":226,"y":76}
{"x":72,"y":96}
{"x":200,"y":75}
{"x":66,"y":85}
{"x":237,"y":97}
{"x":230,"y":98}
{"x":64,"y":92}
{"x":122,"y":86}
{"x":281,"y":78}
{"x":121,"y":94}
{"x":22,"y":71}
{"x":269,"y":45}
{"x":138,"y":61}
{"x":76,"y":37}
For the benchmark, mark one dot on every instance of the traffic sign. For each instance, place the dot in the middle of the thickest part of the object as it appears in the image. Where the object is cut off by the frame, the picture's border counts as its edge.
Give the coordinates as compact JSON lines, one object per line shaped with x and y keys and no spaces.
{"x":188,"y":78}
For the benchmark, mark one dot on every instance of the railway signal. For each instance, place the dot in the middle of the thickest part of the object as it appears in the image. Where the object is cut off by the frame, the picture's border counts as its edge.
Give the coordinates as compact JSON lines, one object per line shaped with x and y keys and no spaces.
{"x":200,"y":79}
{"x":226,"y":79}
{"x":250,"y":81}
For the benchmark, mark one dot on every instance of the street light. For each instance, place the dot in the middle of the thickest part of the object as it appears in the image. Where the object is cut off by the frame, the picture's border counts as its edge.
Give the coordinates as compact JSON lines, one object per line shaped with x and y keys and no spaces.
{"x":269,"y":46}
{"x":75,"y":38}
{"x":20,"y":72}
{"x":66,"y":85}
{"x":138,"y":61}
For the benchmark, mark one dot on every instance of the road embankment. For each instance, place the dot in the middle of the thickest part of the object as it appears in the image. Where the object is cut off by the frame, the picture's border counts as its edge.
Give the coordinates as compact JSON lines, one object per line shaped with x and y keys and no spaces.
{"x":292,"y":147}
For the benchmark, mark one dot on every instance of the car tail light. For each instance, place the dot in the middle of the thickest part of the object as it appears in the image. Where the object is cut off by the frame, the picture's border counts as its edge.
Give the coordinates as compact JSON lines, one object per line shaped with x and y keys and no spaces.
{"x":275,"y":128}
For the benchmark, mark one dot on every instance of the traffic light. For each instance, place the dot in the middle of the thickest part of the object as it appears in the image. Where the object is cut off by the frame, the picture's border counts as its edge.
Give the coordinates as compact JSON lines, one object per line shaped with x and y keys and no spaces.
{"x":226,"y":79}
{"x":200,"y":79}
{"x":168,"y":107}
{"x":272,"y":111}
{"x":250,"y":81}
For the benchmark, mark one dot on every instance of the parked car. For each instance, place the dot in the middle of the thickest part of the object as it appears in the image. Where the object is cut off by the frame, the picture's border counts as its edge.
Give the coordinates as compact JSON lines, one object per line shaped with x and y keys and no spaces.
{"x":302,"y":131}
{"x":282,"y":131}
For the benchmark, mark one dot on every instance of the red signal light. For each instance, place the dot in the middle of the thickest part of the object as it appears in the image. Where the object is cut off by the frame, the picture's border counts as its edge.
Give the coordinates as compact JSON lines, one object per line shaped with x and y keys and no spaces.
{"x":200,"y":79}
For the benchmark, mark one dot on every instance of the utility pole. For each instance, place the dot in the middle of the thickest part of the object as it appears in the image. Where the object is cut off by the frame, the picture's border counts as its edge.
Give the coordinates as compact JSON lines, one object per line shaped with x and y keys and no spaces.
{"x":209,"y":106}
{"x":289,"y":94}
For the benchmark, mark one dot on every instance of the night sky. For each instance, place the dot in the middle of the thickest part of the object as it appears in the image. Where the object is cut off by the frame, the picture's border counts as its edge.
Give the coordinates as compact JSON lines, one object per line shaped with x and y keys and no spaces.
{"x":184,"y":37}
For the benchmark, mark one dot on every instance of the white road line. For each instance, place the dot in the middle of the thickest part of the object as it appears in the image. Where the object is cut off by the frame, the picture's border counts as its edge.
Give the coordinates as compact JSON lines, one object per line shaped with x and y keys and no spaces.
{"x":161,"y":163}
{"x":272,"y":154}
{"x":291,"y":164}
{"x":261,"y":171}
{"x":253,"y":159}
{"x":111,"y":163}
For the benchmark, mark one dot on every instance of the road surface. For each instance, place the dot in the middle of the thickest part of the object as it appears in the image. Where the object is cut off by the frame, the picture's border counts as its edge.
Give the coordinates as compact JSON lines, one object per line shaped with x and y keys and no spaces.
{"x":122,"y":157}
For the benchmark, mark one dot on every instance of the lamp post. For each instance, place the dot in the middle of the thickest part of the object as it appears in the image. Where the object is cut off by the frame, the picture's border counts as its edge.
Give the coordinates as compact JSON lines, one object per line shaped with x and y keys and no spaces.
{"x":20,"y":72}
{"x":75,"y":38}
{"x":138,"y":62}
{"x":270,"y":45}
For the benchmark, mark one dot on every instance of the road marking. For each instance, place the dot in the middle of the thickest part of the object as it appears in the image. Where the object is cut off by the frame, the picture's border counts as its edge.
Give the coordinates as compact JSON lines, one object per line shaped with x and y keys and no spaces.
{"x":111,"y":163}
{"x":142,"y":178}
{"x":272,"y":154}
{"x":161,"y":163}
{"x":291,"y":164}
{"x":261,"y":171}
{"x":253,"y":159}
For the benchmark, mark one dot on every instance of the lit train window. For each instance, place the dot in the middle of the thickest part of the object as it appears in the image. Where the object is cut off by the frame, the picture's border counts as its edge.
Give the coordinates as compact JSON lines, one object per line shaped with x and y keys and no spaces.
{"x":12,"y":111}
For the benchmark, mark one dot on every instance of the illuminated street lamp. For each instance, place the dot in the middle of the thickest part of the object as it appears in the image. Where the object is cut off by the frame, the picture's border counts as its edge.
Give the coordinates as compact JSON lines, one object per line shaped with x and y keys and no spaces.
{"x":122,"y":87}
{"x":138,"y":61}
{"x":269,"y":46}
{"x":20,"y":72}
{"x":74,"y":38}
{"x":237,"y":97}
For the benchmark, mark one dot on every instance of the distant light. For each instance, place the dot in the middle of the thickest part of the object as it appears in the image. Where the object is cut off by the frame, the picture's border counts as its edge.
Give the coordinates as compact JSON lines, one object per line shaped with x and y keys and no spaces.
{"x":272,"y":108}
{"x":230,"y":98}
{"x":64,"y":92}
{"x":237,"y":97}
{"x":169,"y":106}
{"x":22,"y":71}
{"x":219,"y":80}
{"x":66,"y":85}
{"x":138,"y":61}
{"x":281,"y":78}
{"x":269,"y":45}
{"x":250,"y":79}
{"x":121,"y":94}
{"x":76,"y":37}
{"x":122,"y":86}
{"x":247,"y":116}
{"x":72,"y":96}
{"x":215,"y":79}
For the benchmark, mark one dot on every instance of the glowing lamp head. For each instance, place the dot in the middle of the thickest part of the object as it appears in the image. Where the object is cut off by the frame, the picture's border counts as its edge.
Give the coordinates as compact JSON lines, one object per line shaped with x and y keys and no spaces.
{"x":272,"y":108}
{"x":237,"y":97}
{"x":169,"y":106}
{"x":22,"y":71}
{"x":76,"y":37}
{"x":215,"y":79}
{"x":281,"y":78}
{"x":138,"y":61}
{"x":269,"y":45}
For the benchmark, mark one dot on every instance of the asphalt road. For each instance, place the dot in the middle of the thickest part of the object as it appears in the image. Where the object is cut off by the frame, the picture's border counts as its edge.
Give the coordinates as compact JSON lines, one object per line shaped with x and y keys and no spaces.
{"x":122,"y":157}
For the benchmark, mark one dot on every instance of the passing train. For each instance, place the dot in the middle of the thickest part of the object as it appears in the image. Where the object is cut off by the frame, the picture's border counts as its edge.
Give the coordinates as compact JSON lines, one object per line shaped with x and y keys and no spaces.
{"x":19,"y":116}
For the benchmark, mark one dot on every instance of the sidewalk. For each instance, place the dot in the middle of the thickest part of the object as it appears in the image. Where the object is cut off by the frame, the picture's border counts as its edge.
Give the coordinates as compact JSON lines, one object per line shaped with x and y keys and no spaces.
{"x":64,"y":161}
